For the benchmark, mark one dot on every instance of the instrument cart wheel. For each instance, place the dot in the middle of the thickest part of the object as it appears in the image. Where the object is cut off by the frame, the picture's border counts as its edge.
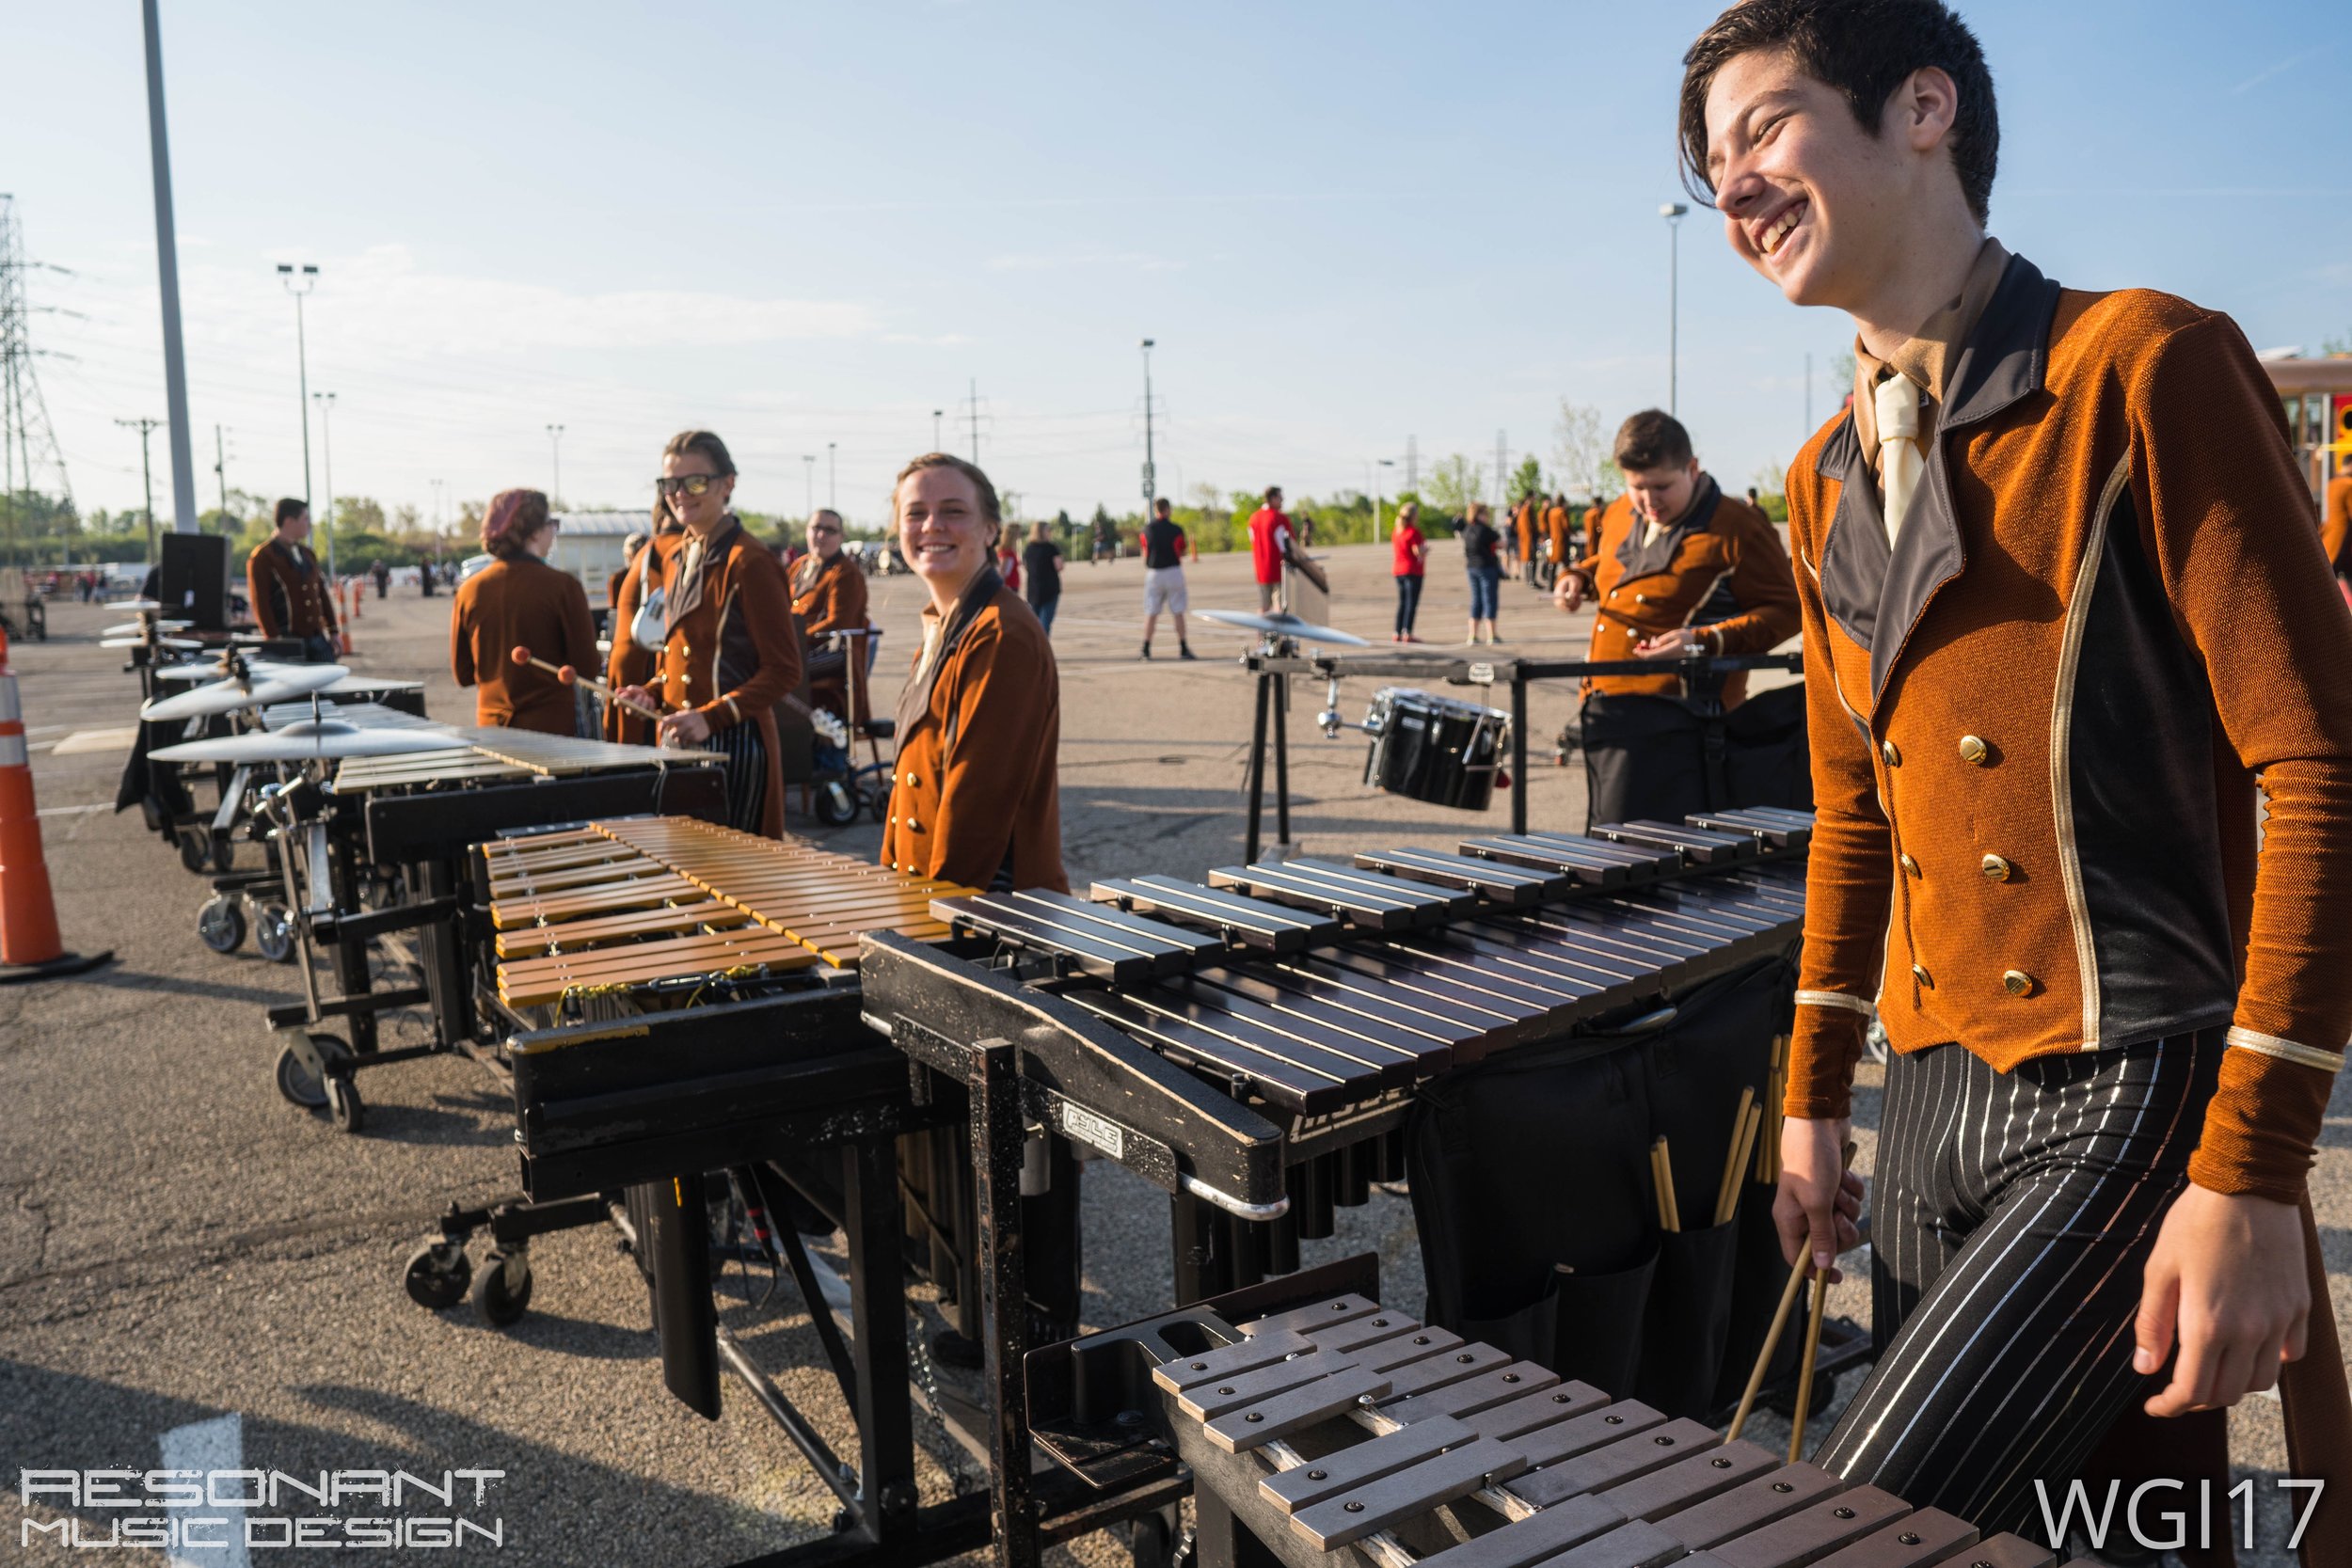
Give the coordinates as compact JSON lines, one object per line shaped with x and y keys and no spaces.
{"x":438,"y":1274}
{"x":878,"y":803}
{"x":502,"y":1292}
{"x":836,"y":804}
{"x":298,"y":1082}
{"x":196,"y":848}
{"x":273,"y":933}
{"x":220,"y":924}
{"x":343,"y":1104}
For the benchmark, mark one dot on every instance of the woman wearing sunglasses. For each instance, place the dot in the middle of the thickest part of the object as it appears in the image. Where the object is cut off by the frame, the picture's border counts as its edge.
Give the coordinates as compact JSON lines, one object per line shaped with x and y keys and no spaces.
{"x":728,"y":650}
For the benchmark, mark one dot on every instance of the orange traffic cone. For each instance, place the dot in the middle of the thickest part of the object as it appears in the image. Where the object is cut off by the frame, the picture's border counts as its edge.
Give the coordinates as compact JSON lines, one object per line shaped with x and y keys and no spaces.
{"x":29,"y":947}
{"x":342,"y":629}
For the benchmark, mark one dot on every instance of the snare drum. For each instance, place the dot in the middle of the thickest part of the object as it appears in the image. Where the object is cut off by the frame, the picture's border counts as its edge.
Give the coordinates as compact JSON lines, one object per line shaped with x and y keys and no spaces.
{"x":1440,"y":749}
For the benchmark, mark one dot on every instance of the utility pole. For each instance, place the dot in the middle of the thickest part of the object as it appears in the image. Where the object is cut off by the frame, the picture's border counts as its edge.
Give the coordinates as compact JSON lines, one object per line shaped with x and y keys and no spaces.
{"x":27,"y":440}
{"x":935,"y":418}
{"x":147,"y":477}
{"x":1502,"y":472}
{"x":1412,"y":464}
{"x":975,"y":422}
{"x":1150,"y":475}
{"x":1376,"y":488}
{"x":555,"y":446}
{"x":832,"y":490}
{"x":327,"y":450}
{"x":299,"y":284}
{"x":220,"y":473}
{"x":808,"y":491}
{"x":167,"y":270}
{"x":1673,"y":212}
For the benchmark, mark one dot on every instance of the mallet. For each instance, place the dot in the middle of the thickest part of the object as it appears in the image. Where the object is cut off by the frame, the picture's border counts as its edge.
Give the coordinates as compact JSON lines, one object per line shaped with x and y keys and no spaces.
{"x":566,"y":676}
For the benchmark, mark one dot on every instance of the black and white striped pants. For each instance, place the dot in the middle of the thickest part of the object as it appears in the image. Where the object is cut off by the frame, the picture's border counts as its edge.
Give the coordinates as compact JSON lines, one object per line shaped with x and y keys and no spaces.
{"x":747,"y":773}
{"x":2011,"y":1217}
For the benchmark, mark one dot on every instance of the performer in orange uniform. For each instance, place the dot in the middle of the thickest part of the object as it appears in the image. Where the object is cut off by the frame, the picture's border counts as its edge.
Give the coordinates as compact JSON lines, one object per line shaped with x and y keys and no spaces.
{"x":728,"y":653}
{"x":829,"y":596}
{"x":519,"y":601}
{"x":290,"y":594}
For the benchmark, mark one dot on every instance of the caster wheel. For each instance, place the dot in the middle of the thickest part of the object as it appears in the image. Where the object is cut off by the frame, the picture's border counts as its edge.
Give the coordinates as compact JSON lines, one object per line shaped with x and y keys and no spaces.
{"x":298,"y":1082}
{"x":220,"y":924}
{"x":837,"y":807}
{"x":438,"y":1274}
{"x":499,"y":1301}
{"x":196,"y":850}
{"x":273,"y":933}
{"x":878,"y":805}
{"x":344,"y":1105}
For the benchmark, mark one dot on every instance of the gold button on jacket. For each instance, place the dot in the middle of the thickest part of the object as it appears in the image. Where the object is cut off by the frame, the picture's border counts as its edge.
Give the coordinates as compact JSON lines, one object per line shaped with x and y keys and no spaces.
{"x":1911,"y":867}
{"x":2018,"y":981}
{"x":1998,"y":869}
{"x":1893,"y":758}
{"x":1972,"y":749}
{"x":1920,"y":974}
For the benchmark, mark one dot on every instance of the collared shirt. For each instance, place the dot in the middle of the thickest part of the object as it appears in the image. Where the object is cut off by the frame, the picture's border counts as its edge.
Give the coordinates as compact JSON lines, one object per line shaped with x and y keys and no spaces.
{"x":1928,"y":356}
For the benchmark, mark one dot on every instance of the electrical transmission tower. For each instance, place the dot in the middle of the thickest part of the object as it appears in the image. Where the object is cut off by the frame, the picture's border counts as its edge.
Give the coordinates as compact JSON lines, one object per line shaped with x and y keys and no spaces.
{"x":28,"y":446}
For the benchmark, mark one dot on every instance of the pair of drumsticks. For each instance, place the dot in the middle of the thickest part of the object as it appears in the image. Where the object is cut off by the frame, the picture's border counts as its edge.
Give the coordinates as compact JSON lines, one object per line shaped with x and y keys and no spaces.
{"x":566,"y":676}
{"x":1797,"y":1276}
{"x":1746,"y":1123}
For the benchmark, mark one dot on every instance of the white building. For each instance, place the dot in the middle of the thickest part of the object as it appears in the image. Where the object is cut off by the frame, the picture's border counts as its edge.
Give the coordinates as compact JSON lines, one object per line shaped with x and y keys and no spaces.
{"x":592,"y":545}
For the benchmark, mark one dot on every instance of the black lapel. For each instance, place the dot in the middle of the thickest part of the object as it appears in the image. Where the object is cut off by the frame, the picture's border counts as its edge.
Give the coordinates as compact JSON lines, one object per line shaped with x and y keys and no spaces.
{"x":1642,"y":559}
{"x":2002,"y":361}
{"x":917,"y":698}
{"x":1852,"y":568}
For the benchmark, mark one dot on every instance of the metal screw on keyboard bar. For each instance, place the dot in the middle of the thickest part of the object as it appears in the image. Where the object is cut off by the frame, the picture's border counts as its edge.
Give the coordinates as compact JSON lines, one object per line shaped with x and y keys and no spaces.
{"x":1466,"y":1356}
{"x":1560,"y":1398}
{"x":1663,"y":1442}
{"x":1380,"y":1323}
{"x":1908,"y":1539}
{"x":1227,"y":1390}
{"x":1510,"y":1377}
{"x":1318,"y":1475}
{"x":1339,"y":1307}
{"x":1843,"y":1513}
{"x":1613,"y":1420}
{"x":1721,"y":1464}
{"x":1782,"y":1486}
{"x":1366,"y":1400}
{"x":1353,"y":1508}
{"x":1200,"y":1366}
{"x":1421,"y":1338}
{"x":1255,"y":1416}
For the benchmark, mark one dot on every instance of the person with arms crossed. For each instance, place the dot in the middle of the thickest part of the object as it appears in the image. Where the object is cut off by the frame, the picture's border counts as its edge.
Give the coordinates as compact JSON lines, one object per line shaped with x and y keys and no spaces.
{"x":519,"y":601}
{"x":1272,"y":548}
{"x":829,"y":597}
{"x":729,"y":653}
{"x":289,"y":594}
{"x":2061,"y":612}
{"x":1481,"y":559}
{"x":1163,"y":548}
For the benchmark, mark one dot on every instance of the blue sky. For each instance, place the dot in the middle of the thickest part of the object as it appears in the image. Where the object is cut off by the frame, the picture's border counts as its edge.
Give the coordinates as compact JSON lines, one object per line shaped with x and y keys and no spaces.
{"x":1345,"y":224}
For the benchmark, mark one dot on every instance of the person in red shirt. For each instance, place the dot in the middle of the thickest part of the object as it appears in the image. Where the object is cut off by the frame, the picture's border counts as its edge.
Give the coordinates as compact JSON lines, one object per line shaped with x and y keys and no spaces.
{"x":1272,"y":547}
{"x":1412,"y":559}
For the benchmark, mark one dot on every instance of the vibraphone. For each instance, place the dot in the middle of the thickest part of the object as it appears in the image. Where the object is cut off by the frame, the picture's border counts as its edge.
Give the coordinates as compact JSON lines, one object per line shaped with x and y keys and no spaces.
{"x":1315,"y":1420}
{"x":383,"y":849}
{"x":1253,"y":1042}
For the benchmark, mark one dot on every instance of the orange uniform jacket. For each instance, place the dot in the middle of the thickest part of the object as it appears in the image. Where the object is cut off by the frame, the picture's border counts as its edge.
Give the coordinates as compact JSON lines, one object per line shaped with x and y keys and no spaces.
{"x":829,"y":596}
{"x":1523,"y":524}
{"x":2335,"y":524}
{"x":630,"y":664}
{"x":1722,"y":556}
{"x":1556,"y":535}
{"x":980,"y":734}
{"x":520,"y":603}
{"x":733,"y":654}
{"x":288,"y":592}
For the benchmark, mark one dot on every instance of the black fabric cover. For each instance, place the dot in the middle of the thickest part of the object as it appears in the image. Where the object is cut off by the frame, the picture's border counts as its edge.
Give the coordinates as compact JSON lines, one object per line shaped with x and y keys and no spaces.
{"x":1531,"y":1190}
{"x":1660,"y":759}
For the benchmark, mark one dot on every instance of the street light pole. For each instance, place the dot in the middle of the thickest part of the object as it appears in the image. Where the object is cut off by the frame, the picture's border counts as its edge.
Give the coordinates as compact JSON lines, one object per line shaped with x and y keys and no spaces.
{"x":808,"y":491}
{"x":184,"y":501}
{"x":555,"y":445}
{"x":1673,"y":212}
{"x":832,"y":490}
{"x":1150,"y":473}
{"x":327,"y":453}
{"x":299,"y":284}
{"x":936,"y":415}
{"x":1378,"y":485}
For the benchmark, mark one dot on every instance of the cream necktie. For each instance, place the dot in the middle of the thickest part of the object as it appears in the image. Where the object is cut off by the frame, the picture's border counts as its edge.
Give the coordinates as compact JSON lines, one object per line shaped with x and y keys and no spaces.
{"x":1900,"y":462}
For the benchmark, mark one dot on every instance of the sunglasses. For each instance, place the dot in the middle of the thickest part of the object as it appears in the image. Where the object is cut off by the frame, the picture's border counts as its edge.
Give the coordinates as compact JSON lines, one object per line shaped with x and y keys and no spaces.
{"x":693,"y":484}
{"x":824,"y":528}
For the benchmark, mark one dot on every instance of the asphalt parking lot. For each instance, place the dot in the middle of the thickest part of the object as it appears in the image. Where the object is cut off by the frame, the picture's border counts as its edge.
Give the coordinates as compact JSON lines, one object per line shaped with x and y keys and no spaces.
{"x":179,"y":1245}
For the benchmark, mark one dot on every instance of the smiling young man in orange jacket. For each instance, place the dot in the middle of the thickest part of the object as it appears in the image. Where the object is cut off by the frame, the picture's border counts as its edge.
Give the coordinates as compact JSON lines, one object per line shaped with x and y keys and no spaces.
{"x":2061,"y":609}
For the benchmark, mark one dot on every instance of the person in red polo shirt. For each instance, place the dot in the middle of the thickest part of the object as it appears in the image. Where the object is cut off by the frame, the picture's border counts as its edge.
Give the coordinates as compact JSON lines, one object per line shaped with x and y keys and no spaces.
{"x":1272,"y":547}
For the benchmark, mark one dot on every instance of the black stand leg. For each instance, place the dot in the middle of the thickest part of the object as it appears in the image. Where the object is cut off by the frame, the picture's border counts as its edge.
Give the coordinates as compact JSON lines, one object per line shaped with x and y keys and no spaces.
{"x":1203,"y":1266}
{"x":878,"y":1319}
{"x":997,"y":1140}
{"x":1281,"y":767}
{"x":1519,"y":753}
{"x":351,"y":953}
{"x":1257,"y":775}
{"x":444,"y":968}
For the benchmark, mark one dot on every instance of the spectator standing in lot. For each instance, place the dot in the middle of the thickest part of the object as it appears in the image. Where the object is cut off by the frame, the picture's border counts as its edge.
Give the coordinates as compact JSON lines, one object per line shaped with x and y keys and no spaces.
{"x":1480,"y":548}
{"x":383,"y":576}
{"x":1273,"y":547}
{"x":1163,"y":548}
{"x":1412,"y":560}
{"x":1042,"y":560}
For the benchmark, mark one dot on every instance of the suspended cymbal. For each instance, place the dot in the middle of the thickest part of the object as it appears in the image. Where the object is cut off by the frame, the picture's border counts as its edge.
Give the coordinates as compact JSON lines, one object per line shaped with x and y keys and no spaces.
{"x":1286,"y":626}
{"x":144,"y":627}
{"x":149,"y":642}
{"x":210,"y":670}
{"x":281,"y":683}
{"x":309,"y":741}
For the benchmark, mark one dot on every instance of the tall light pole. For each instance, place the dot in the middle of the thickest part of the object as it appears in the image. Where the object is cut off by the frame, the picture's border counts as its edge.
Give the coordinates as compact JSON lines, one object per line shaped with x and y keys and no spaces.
{"x":167,"y":277}
{"x":832,"y":490}
{"x":146,"y":476}
{"x":1378,"y":483}
{"x":936,"y":415}
{"x":555,"y":447}
{"x":299,"y":284}
{"x":220,"y":474}
{"x":327,"y":451}
{"x":1673,"y":212}
{"x":808,"y":491}
{"x":1150,"y":474}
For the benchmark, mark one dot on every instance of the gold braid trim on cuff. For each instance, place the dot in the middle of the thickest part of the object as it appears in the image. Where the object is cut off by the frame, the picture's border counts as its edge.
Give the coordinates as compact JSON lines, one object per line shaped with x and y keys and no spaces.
{"x":2287,"y":1050}
{"x":1836,"y":999}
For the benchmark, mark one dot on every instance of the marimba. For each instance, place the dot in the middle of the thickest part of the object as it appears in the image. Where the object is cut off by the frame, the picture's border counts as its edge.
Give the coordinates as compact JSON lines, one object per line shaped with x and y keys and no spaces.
{"x":1314,"y":1422}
